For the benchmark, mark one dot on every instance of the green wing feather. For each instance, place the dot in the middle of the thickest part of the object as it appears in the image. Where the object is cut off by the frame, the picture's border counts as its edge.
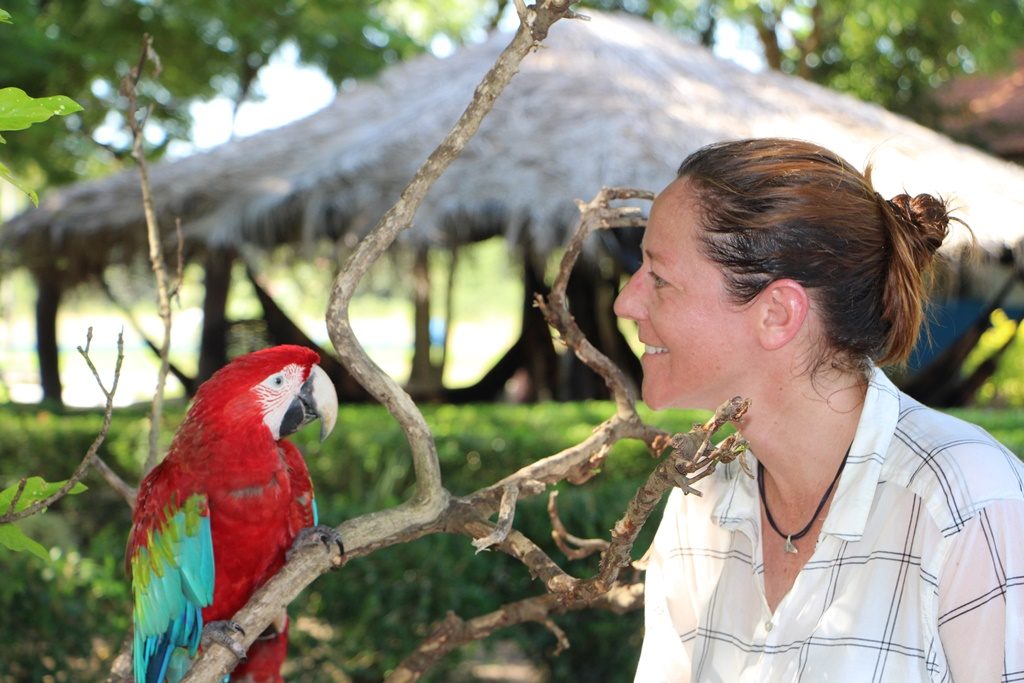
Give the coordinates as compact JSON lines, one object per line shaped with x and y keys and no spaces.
{"x":172,"y":580}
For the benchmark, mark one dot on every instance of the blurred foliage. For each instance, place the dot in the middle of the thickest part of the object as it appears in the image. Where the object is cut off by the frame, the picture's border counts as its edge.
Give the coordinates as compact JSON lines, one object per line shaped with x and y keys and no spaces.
{"x":208,"y":47}
{"x":365,"y":618}
{"x":1005,"y":387}
{"x":892,"y":53}
{"x":18,"y":111}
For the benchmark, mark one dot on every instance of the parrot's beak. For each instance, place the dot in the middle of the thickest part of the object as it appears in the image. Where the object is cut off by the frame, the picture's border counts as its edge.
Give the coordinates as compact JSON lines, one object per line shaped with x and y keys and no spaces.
{"x":316,"y":399}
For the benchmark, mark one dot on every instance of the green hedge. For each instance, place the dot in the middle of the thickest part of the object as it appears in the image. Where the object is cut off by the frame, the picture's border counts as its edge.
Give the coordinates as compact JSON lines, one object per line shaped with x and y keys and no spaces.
{"x":66,"y":618}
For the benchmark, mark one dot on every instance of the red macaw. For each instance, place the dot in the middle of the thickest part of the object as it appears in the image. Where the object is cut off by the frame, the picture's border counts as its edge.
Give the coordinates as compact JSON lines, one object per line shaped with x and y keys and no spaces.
{"x":215,"y":519}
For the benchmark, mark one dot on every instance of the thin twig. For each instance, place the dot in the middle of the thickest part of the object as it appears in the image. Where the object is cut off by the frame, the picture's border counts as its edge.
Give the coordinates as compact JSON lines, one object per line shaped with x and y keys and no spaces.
{"x":518,"y":545}
{"x":90,"y":455}
{"x":179,"y":272}
{"x":17,"y":496}
{"x":583,"y":547}
{"x":129,"y":87}
{"x":596,"y":214}
{"x":506,"y":513}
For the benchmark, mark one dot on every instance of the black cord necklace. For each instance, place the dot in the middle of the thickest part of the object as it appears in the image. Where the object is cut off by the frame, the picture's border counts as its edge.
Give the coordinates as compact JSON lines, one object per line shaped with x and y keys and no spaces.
{"x":789,"y":547}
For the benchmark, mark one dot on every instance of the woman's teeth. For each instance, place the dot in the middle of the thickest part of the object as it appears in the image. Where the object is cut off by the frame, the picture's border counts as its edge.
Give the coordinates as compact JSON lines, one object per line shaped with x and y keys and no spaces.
{"x":654,"y":350}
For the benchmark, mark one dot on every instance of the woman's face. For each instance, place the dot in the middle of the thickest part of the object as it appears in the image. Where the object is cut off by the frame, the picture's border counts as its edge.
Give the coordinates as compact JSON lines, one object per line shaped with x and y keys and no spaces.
{"x":696,"y":341}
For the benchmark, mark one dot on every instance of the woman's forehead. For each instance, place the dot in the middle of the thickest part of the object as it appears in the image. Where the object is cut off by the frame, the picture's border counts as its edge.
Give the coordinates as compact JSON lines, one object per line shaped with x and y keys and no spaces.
{"x":670,"y":221}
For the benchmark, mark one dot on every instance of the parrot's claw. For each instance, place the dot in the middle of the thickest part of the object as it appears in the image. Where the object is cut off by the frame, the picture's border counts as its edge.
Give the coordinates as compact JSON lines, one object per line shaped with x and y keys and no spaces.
{"x":321,"y":534}
{"x":223,"y":633}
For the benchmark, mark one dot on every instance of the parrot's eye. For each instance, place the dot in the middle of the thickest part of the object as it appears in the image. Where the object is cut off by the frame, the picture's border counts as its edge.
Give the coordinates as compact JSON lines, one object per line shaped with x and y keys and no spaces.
{"x":274,"y":381}
{"x":278,"y":380}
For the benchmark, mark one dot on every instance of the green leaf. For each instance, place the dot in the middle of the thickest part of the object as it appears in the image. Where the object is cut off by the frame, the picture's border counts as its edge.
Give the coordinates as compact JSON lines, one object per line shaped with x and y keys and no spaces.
{"x":36,"y":488}
{"x":15,"y":539}
{"x":19,"y":111}
{"x":5,"y":174}
{"x":5,"y":17}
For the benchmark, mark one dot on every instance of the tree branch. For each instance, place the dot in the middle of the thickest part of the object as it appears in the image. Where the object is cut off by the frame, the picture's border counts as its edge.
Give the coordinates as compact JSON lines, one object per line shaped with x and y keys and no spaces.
{"x":596,"y":214}
{"x":573,"y":547}
{"x":129,"y":88}
{"x":12,"y":515}
{"x":506,"y":513}
{"x":379,"y":529}
{"x":692,"y":458}
{"x":453,"y":632}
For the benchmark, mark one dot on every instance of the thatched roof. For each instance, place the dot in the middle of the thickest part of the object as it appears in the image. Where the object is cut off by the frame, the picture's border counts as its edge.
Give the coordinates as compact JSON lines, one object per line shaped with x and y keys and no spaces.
{"x":613,"y":101}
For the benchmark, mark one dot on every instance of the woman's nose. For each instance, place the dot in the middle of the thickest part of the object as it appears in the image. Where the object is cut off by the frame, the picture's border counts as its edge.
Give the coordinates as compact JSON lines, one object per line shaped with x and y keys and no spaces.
{"x":627,"y":303}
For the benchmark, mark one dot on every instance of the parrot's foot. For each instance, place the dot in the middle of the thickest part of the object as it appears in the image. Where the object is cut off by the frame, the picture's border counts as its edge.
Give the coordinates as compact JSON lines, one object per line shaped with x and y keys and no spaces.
{"x":223,"y":633}
{"x":318,"y":535}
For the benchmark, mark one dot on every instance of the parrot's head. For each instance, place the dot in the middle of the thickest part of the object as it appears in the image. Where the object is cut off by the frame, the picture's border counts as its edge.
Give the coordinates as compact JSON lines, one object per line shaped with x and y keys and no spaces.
{"x":281,"y":388}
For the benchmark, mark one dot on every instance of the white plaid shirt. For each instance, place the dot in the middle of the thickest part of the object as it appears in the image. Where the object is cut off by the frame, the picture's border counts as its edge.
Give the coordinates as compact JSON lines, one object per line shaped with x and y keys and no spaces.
{"x":918,"y":574}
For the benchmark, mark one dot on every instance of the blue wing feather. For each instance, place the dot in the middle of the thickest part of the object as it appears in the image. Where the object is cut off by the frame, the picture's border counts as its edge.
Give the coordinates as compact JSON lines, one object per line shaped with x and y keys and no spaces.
{"x":172,"y":580}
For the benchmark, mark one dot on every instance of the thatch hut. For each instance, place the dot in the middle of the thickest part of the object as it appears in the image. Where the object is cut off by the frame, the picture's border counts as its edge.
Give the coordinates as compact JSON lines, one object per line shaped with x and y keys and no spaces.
{"x":612,"y":101}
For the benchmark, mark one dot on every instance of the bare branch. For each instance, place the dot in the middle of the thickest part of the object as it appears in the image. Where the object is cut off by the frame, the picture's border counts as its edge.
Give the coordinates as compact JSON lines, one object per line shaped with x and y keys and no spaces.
{"x":179,"y":273}
{"x":90,"y":456}
{"x":516,"y":545}
{"x":453,"y":632}
{"x":129,"y":87}
{"x":596,"y":214}
{"x":379,"y":529}
{"x":691,"y":459}
{"x":584,"y":547}
{"x":506,"y":513}
{"x":123,"y":488}
{"x":433,"y":510}
{"x":571,"y":461}
{"x":559,"y":634}
{"x":121,"y":669}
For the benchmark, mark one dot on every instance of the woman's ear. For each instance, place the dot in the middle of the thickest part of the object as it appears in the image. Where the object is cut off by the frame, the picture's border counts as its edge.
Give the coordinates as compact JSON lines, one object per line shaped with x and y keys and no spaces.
{"x":780,"y":311}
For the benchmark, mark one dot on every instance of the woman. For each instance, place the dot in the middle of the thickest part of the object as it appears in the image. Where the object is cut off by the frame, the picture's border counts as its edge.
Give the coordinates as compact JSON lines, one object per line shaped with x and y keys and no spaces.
{"x":880,"y":540}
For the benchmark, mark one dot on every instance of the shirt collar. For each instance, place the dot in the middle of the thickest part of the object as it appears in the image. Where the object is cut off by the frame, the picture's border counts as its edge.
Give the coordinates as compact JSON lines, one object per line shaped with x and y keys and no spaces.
{"x":848,"y":514}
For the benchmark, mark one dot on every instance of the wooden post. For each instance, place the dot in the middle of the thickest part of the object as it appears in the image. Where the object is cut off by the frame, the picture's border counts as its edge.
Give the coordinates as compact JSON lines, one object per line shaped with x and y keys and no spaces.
{"x":47,"y":302}
{"x":425,"y":374}
{"x":213,"y":346}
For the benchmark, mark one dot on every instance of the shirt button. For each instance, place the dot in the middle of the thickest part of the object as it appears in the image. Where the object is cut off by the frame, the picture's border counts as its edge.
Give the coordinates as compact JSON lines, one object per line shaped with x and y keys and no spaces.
{"x":768,"y":626}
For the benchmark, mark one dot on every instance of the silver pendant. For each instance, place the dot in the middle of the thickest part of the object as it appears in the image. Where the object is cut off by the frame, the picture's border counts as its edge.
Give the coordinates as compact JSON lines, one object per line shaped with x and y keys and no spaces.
{"x":789,"y":547}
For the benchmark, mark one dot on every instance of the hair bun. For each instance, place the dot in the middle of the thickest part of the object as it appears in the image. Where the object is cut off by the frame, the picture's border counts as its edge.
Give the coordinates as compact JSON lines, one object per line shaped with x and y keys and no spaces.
{"x":924,"y":220}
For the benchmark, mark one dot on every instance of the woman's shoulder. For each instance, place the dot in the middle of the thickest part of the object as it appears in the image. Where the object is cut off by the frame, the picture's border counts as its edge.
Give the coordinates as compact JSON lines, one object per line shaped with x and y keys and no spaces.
{"x":956,"y":467}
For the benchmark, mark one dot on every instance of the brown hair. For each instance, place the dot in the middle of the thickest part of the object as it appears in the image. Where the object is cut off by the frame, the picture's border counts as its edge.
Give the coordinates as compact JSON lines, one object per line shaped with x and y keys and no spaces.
{"x":774,"y":208}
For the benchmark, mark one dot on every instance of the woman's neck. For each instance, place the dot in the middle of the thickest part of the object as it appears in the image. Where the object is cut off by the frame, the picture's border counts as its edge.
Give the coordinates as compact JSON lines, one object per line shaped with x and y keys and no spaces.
{"x":800,"y":432}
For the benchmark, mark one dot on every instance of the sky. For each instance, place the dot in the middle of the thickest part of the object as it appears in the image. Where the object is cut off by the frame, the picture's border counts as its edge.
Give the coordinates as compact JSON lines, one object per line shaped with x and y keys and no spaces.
{"x":291,"y":91}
